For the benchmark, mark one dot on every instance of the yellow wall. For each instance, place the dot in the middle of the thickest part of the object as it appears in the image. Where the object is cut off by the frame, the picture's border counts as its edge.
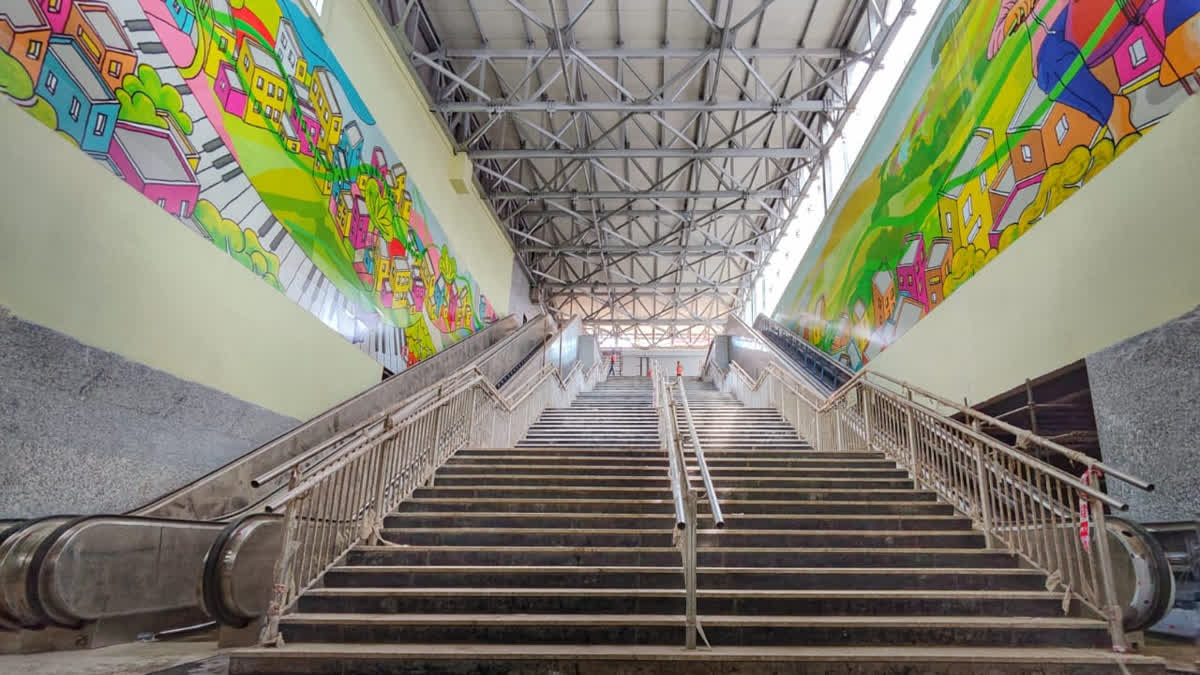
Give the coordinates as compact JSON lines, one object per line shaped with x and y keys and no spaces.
{"x":84,"y":254}
{"x":1117,"y":259}
{"x":365,"y":49}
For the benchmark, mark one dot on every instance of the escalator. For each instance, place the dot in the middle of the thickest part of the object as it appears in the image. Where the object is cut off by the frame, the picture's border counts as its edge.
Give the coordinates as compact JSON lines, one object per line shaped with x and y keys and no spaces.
{"x":205,"y":552}
{"x":827,"y":371}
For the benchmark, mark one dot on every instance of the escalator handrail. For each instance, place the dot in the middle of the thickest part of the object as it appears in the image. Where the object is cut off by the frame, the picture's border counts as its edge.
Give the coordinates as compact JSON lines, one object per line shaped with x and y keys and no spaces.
{"x":166,"y":498}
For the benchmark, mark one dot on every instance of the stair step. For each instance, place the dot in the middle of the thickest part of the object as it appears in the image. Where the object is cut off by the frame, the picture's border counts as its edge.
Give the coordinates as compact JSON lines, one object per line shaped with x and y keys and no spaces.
{"x":665,"y":520}
{"x":665,"y":506}
{"x":374,"y":600}
{"x":723,"y":492}
{"x":626,"y":629}
{"x":728,"y":538}
{"x":325,"y":658}
{"x":892,"y":556}
{"x":669,"y":577}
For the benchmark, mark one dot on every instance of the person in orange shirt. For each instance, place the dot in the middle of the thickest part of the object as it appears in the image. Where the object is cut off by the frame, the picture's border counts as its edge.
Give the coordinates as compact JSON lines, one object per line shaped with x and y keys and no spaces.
{"x":679,"y":369}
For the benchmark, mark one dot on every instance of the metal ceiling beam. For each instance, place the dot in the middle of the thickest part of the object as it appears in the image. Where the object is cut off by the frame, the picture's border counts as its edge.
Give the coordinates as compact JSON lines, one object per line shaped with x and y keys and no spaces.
{"x":637,"y":250}
{"x":648,"y":53}
{"x":649,"y":213}
{"x":646,"y":107}
{"x":554,"y":287}
{"x":647,"y":194}
{"x":657,"y":153}
{"x":656,"y":322}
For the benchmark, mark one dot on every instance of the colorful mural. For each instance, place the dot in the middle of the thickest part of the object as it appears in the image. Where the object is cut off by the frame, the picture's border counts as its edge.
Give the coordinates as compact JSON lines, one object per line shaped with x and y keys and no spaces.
{"x":1008,"y":108}
{"x":235,"y":117}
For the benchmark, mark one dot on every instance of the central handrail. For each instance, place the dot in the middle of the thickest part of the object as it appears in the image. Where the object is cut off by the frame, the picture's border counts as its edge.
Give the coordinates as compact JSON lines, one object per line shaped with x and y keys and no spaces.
{"x":714,"y":504}
{"x":684,"y":497}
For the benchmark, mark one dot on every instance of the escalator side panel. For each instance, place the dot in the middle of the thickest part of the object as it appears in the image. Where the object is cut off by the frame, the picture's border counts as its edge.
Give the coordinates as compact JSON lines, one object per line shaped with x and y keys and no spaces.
{"x":227,"y":490}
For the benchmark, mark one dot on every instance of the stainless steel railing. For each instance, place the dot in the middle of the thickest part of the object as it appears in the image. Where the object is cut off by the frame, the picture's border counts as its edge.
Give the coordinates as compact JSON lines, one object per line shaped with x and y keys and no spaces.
{"x":1054,"y":521}
{"x":683,"y":495}
{"x":344,"y":501}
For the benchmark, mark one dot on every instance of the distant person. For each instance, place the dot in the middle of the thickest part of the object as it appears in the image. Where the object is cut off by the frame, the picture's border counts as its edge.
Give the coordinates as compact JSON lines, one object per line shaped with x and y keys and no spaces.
{"x":612,"y":364}
{"x":678,"y":369}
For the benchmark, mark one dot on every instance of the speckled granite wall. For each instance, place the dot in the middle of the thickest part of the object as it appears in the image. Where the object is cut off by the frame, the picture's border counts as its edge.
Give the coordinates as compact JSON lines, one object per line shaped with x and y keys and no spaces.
{"x":1146,"y":394}
{"x":83,"y":430}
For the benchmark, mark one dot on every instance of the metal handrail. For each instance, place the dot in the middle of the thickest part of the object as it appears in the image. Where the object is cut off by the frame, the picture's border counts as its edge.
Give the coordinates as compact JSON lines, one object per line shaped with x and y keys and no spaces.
{"x":684,"y":497}
{"x":421,"y":397}
{"x":714,"y":504}
{"x":1020,"y":502}
{"x":1023,"y":436}
{"x":343,"y":502}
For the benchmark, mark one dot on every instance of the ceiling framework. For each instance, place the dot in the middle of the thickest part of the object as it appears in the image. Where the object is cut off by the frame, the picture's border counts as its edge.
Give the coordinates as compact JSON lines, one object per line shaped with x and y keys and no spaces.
{"x":645,"y":156}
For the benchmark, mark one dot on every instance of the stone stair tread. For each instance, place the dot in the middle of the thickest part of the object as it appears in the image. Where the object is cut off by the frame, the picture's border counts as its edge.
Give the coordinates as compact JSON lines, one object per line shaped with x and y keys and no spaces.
{"x":600,"y":569}
{"x":839,"y":654}
{"x":600,"y":515}
{"x":658,"y":549}
{"x":699,"y":531}
{"x":623,"y":620}
{"x":457,"y":591}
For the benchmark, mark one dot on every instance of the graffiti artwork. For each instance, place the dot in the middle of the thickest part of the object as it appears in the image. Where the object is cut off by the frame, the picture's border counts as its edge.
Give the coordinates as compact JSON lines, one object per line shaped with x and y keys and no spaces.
{"x":235,"y":117}
{"x":1009,"y":107}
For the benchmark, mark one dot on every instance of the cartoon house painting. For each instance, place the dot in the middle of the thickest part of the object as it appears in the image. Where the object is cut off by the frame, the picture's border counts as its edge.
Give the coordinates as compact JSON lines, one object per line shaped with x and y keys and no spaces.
{"x":103,"y":40}
{"x":304,"y":120}
{"x":911,"y":269}
{"x":325,"y":93}
{"x":259,"y":71}
{"x":86,"y":107}
{"x":883,"y":295}
{"x":287,"y":46}
{"x":229,"y":91}
{"x":350,"y":213}
{"x":25,"y":34}
{"x":183,"y":17}
{"x":222,"y":42}
{"x":1043,"y":132}
{"x":964,"y":208}
{"x":56,"y":13}
{"x":937,"y":268}
{"x":148,"y":159}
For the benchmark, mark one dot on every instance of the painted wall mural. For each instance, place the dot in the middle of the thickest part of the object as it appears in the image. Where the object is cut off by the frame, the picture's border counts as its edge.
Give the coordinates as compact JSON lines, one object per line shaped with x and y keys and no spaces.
{"x":1008,"y":109}
{"x":235,"y":117}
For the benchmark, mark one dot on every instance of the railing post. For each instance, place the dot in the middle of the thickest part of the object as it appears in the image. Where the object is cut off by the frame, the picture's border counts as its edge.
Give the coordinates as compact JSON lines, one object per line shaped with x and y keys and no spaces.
{"x":431,"y":456}
{"x":269,"y":636}
{"x":984,"y":493}
{"x":689,"y":571}
{"x":376,"y":512}
{"x":837,"y":422}
{"x":1108,"y":592}
{"x":866,"y":404}
{"x":911,"y":423}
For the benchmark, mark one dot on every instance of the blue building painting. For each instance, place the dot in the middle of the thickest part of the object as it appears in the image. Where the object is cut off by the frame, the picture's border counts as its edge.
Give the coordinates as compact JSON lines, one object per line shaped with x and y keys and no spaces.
{"x":86,"y":107}
{"x":184,"y":18}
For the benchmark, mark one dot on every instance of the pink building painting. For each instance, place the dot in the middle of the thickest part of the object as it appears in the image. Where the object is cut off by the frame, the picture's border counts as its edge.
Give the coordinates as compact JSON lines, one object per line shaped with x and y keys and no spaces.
{"x":1135,"y":53}
{"x":379,"y":161}
{"x":149,"y":160}
{"x":360,"y":223}
{"x":910,"y":271}
{"x":308,"y":127}
{"x":228,"y":90}
{"x":57,"y":12}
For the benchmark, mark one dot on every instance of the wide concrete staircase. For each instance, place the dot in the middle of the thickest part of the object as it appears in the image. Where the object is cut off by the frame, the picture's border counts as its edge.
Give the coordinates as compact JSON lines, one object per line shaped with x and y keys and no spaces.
{"x":557,"y":556}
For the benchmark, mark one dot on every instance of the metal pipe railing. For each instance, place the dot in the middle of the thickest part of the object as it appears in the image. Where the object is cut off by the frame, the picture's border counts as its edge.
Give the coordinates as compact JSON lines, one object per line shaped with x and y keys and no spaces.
{"x":714,"y":504}
{"x":343,"y":502}
{"x":683,"y":496}
{"x":1020,"y":502}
